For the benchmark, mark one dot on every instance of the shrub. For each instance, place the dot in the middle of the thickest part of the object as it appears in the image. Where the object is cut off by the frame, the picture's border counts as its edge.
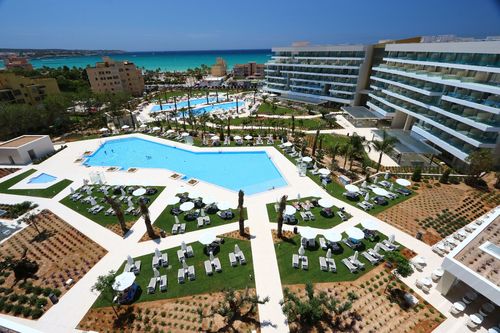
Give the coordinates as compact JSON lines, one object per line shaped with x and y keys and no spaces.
{"x":2,"y":280}
{"x":13,"y":297}
{"x":37,"y":290}
{"x":8,"y":307}
{"x":476,"y":182}
{"x":23,"y":299}
{"x":36,"y":313}
{"x":41,"y":302}
{"x":56,"y":292}
{"x":445,"y":177}
{"x":47,"y":291}
{"x":27,"y":312}
{"x":417,"y":175}
{"x":18,"y":309}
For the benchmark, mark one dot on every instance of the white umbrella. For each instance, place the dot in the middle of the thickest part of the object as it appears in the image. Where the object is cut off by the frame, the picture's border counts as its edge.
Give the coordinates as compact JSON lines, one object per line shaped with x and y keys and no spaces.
{"x":367,"y":196}
{"x":186,"y":206}
{"x":403,"y":182}
{"x":380,"y":191}
{"x":355,"y":256}
{"x":332,"y":236}
{"x":324,"y":171}
{"x":130,"y":261}
{"x":143,"y":126}
{"x":375,"y":180}
{"x":248,"y":137}
{"x":287,"y":144}
{"x":184,"y":265}
{"x":156,"y":128}
{"x":376,"y":248}
{"x":351,"y":188}
{"x":419,"y":260}
{"x":173,"y":200}
{"x":104,"y":129}
{"x":123,"y":281}
{"x":290,"y":210}
{"x":184,"y":134}
{"x":308,"y":233}
{"x":387,"y":175}
{"x":139,"y":192}
{"x":176,"y":219}
{"x":370,"y":224}
{"x":307,"y":159}
{"x":392,"y":239}
{"x":156,"y":273}
{"x":123,"y":191}
{"x":125,"y":126}
{"x":325,"y":202}
{"x":224,"y":205}
{"x":237,"y":137}
{"x":170,"y":131}
{"x":72,"y":190}
{"x":207,"y":238}
{"x":89,"y":191}
{"x":215,"y":138}
{"x":391,"y":187}
{"x":157,"y":253}
{"x":355,"y":233}
{"x":92,"y":201}
{"x":364,"y":185}
{"x":130,"y":203}
{"x":208,"y":200}
{"x":302,"y":251}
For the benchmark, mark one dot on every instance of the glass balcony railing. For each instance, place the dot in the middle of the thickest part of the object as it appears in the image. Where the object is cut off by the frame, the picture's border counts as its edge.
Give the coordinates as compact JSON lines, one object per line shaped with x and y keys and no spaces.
{"x":449,"y":139}
{"x":474,"y":59}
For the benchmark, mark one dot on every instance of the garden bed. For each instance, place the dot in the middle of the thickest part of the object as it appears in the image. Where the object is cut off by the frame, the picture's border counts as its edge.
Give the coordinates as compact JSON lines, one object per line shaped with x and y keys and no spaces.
{"x":48,"y":192}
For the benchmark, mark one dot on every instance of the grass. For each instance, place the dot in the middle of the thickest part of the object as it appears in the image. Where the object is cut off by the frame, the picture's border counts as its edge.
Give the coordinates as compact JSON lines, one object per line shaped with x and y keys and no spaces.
{"x":304,"y":124}
{"x":100,"y":218}
{"x":48,"y":192}
{"x":267,"y":108}
{"x":166,"y":220}
{"x":290,"y":275}
{"x":320,"y":221}
{"x":238,"y":277}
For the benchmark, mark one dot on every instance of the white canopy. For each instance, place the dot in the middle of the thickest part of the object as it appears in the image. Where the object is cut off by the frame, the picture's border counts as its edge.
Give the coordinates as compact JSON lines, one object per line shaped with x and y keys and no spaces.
{"x":248,"y":137}
{"x":308,"y":233}
{"x":287,"y":144}
{"x":173,"y":200}
{"x":186,"y":206}
{"x":207,"y":238}
{"x":290,"y":210}
{"x":125,"y":126}
{"x":307,"y":159}
{"x":143,"y":126}
{"x":403,"y":182}
{"x":380,"y":191}
{"x":324,"y":171}
{"x":215,"y":138}
{"x":326,"y":202}
{"x":123,"y":281}
{"x":419,"y":260}
{"x":351,"y":188}
{"x":370,"y":224}
{"x":139,"y":192}
{"x":332,"y":236}
{"x":237,"y":137}
{"x":355,"y":233}
{"x":104,"y":129}
{"x":184,"y":134}
{"x":170,"y":131}
{"x":302,"y":251}
{"x":156,"y":128}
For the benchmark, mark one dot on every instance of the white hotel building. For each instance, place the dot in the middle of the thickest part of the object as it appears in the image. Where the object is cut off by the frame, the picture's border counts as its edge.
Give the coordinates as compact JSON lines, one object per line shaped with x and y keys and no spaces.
{"x":319,"y":74}
{"x":446,"y":94}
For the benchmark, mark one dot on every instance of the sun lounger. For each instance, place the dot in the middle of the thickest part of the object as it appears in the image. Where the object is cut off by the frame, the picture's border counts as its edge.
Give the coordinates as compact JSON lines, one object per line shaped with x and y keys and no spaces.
{"x":137,"y":267}
{"x":200,"y":221}
{"x":331,"y":264}
{"x":389,"y":244}
{"x":163,"y":283}
{"x":180,"y":275}
{"x":349,"y":265}
{"x":356,"y":262}
{"x":322,"y":264}
{"x":242,"y":258}
{"x":208,"y":267}
{"x":322,"y":243}
{"x":217,"y":265}
{"x":295,"y":261}
{"x":189,"y":251}
{"x":156,"y":261}
{"x":110,"y":211}
{"x":342,"y":216}
{"x":180,"y":255}
{"x":305,"y":262}
{"x":164,"y":259}
{"x":304,"y":216}
{"x":175,"y":228}
{"x":311,"y":215}
{"x":375,"y":255}
{"x":182,"y":228}
{"x":152,"y":285}
{"x":385,"y":248}
{"x":232,"y":259}
{"x":371,"y":259}
{"x":191,"y":273}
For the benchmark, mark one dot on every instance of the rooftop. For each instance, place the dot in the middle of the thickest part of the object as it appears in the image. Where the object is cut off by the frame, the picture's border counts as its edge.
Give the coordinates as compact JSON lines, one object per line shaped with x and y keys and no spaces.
{"x":20,"y":141}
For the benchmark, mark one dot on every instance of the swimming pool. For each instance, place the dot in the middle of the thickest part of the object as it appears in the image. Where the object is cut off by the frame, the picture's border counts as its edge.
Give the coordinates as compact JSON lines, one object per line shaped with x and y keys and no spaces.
{"x":221,"y":106}
{"x":184,"y":104}
{"x":251,"y":172}
{"x":42,"y":179}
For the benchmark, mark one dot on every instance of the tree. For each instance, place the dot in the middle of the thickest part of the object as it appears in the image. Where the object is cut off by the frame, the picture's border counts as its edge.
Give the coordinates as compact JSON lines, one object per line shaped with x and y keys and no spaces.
{"x":401,"y":265}
{"x":333,"y":151}
{"x":417,"y":174}
{"x":479,"y":161}
{"x":445,"y":177}
{"x":241,"y":211}
{"x":315,"y":143}
{"x":229,"y":126}
{"x":147,"y":219}
{"x":384,"y":146}
{"x":32,"y":220}
{"x":281,"y":211}
{"x":318,"y":310}
{"x":293,"y":124}
{"x":232,"y":306}
{"x":104,"y":285}
{"x":23,"y":268}
{"x":118,"y":212}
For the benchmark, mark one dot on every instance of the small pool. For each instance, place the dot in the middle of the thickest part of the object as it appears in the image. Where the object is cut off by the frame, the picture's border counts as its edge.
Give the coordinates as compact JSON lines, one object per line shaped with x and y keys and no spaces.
{"x":221,"y":106}
{"x":184,"y":104}
{"x":42,"y":179}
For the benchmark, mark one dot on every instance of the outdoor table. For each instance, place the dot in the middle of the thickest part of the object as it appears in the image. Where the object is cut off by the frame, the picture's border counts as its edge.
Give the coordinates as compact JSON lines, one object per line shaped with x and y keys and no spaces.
{"x":476,"y":318}
{"x":437,"y":273}
{"x":426,"y":282}
{"x":459,"y":306}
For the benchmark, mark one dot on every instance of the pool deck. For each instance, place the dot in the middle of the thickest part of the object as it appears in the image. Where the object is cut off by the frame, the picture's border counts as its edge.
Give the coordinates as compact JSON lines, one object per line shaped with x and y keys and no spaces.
{"x":64,"y":316}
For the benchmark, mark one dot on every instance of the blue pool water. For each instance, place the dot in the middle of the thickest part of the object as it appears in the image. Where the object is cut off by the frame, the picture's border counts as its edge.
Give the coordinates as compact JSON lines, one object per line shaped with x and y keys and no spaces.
{"x":221,"y":106}
{"x":41,"y":179}
{"x":251,"y":172}
{"x":183,"y":104}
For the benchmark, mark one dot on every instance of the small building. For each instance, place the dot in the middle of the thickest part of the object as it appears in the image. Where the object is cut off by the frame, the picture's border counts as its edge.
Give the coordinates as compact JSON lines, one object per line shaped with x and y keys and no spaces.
{"x":25,"y":149}
{"x":251,"y":70}
{"x":211,"y":81}
{"x":18,"y":62}
{"x":25,"y":90}
{"x":111,"y":76}
{"x":219,"y":68}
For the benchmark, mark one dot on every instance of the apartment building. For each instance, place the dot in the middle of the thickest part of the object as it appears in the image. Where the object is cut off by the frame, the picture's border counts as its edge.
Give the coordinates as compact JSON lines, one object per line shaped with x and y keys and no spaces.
{"x":444,"y":93}
{"x":219,"y":68}
{"x":25,"y":90}
{"x":249,"y":70}
{"x":17,"y":62}
{"x":334,"y":74}
{"x":111,"y":76}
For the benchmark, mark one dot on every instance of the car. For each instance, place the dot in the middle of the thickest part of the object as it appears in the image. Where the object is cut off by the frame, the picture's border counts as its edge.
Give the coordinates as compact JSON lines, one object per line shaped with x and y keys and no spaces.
{"x":380,"y":201}
{"x":403,"y":191}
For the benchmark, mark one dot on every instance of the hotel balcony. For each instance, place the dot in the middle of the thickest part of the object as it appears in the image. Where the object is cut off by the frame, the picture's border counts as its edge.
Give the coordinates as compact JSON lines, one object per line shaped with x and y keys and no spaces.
{"x":420,"y":87}
{"x":491,"y":105}
{"x":358,"y":59}
{"x":314,"y":65}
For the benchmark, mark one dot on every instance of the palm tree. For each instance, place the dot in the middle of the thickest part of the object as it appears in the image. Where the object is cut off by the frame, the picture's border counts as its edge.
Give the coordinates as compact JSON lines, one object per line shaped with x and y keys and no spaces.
{"x":229,"y":126}
{"x":293,"y":124}
{"x":118,"y":212}
{"x":207,"y":96}
{"x":315,"y":142}
{"x":241,"y":220}
{"x":281,"y":211}
{"x":147,"y":219}
{"x":385,"y":146}
{"x":104,"y":285}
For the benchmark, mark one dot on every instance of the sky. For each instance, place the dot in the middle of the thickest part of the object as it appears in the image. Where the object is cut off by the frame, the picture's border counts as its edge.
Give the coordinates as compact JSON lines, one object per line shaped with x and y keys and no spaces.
{"x":167,"y":25}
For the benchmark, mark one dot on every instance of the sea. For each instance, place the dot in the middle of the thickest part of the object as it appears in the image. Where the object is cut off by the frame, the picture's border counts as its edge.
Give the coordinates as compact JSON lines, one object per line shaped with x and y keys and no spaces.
{"x":165,"y":61}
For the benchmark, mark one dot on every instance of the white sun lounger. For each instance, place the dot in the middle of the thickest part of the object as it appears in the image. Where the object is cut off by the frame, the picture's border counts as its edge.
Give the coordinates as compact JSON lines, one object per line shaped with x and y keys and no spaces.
{"x":241,"y":256}
{"x":331,"y":265}
{"x":385,"y":247}
{"x":163,"y":283}
{"x":180,"y":275}
{"x":191,"y":273}
{"x":152,"y":285}
{"x":208,"y":267}
{"x":349,"y":265}
{"x":371,"y":259}
{"x":322,"y":264}
{"x":375,"y":255}
{"x":295,"y":261}
{"x":175,"y":228}
{"x":156,"y":261}
{"x":182,"y":229}
{"x":137,"y":267}
{"x":180,"y":255}
{"x":356,"y":262}
{"x":305,"y":262}
{"x":232,"y":259}
{"x":217,"y":265}
{"x":322,"y":243}
{"x":189,"y":251}
{"x":164,"y":259}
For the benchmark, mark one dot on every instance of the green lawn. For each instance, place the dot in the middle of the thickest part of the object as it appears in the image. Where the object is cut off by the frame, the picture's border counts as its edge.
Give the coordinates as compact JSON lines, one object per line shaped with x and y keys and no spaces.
{"x":238,"y":277}
{"x":48,"y":192}
{"x":319,"y":222}
{"x":267,"y":108}
{"x":304,"y":124}
{"x":100,"y":218}
{"x":166,"y":220}
{"x":290,"y":275}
